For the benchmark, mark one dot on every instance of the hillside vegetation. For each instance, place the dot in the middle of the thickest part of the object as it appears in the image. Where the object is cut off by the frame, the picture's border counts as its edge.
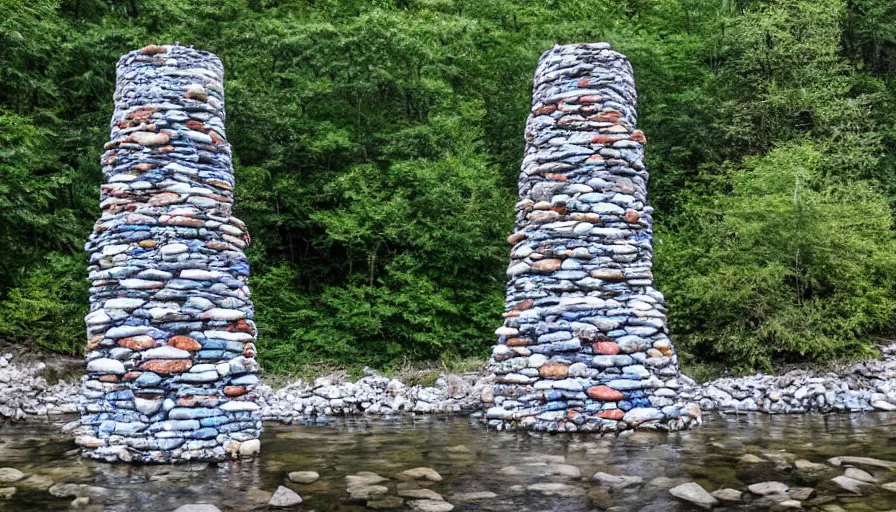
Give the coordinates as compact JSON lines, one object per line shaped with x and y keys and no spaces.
{"x":377,"y":145}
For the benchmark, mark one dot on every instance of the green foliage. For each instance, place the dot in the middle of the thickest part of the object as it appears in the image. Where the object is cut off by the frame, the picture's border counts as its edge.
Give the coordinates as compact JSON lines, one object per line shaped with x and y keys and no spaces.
{"x":47,"y":308}
{"x":378,"y":144}
{"x":785,"y":264}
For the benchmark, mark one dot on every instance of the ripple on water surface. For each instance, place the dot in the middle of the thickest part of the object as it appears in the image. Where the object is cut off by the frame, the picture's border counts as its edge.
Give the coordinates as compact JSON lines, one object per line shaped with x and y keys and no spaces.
{"x":480,"y":470}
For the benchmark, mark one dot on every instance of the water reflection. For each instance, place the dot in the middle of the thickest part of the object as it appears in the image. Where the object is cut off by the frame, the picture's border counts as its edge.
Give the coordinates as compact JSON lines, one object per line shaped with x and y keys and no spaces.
{"x":526,"y":472}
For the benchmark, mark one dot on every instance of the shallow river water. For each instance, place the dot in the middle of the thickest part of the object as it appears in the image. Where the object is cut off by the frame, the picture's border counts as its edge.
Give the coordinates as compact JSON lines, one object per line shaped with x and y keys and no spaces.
{"x":470,"y":459}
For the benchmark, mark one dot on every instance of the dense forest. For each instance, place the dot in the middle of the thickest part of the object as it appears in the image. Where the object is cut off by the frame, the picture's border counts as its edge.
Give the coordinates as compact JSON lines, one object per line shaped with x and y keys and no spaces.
{"x":377,"y":145}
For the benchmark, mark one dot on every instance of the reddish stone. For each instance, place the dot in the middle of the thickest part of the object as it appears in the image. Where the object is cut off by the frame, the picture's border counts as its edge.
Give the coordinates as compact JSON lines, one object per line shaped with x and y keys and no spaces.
{"x":94,"y":341}
{"x":142,"y":114}
{"x":220,"y":184}
{"x":512,"y":313}
{"x":240,"y":326}
{"x":195,"y":125}
{"x":234,"y":390}
{"x":605,"y":393}
{"x":124,"y":124}
{"x":165,"y":149}
{"x":518,"y":342}
{"x":592,"y":98}
{"x":152,"y":49}
{"x":638,"y":136}
{"x":143,"y":167}
{"x":184,"y":343}
{"x":547,"y":265}
{"x":555,"y":177}
{"x":141,"y":342}
{"x":604,"y":139}
{"x":108,"y":378}
{"x":612,"y":414}
{"x":553,"y":370}
{"x":167,"y":365}
{"x":249,"y":350}
{"x":583,"y":82}
{"x":131,"y":376}
{"x":631,"y":216}
{"x":216,"y":138}
{"x":607,"y":348}
{"x":526,"y":304}
{"x":516,"y":237}
{"x":187,"y":401}
{"x":545,"y":110}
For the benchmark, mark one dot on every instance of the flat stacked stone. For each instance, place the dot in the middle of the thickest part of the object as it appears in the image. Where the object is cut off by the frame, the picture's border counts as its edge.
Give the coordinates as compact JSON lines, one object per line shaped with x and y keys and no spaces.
{"x":584,"y":345}
{"x":171,"y":367}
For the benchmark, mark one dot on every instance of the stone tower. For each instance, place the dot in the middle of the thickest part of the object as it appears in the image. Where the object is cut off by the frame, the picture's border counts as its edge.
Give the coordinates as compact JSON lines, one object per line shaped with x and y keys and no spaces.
{"x":584,"y":345}
{"x":171,"y":365}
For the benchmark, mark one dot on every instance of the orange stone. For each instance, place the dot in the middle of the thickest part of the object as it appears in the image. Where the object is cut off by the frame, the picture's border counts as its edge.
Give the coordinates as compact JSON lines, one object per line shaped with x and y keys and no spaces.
{"x":604,"y":139}
{"x":553,"y":370}
{"x":167,"y":365}
{"x":518,"y":342}
{"x":108,"y":378}
{"x":605,"y":393}
{"x":524,"y":305}
{"x":165,"y":149}
{"x":612,"y":414}
{"x":516,"y":237}
{"x":240,"y":326}
{"x":555,"y":177}
{"x":152,"y":49}
{"x":195,"y":125}
{"x":184,"y":343}
{"x":141,"y":342}
{"x":547,"y":265}
{"x":234,"y":390}
{"x":638,"y":136}
{"x":607,"y":348}
{"x":545,"y":110}
{"x":143,"y":167}
{"x":147,"y":244}
{"x":631,"y":216}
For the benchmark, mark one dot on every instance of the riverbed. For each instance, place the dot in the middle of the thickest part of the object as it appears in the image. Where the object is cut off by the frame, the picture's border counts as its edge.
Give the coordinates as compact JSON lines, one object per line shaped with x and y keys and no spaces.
{"x":480,"y":469}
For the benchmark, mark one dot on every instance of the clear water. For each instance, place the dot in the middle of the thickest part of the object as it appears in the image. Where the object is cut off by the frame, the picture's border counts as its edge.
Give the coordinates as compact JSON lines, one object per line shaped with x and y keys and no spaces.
{"x":470,"y":458}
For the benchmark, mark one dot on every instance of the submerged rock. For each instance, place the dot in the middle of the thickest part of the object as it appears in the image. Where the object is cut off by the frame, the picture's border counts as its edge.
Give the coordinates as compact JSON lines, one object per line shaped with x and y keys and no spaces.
{"x":693,"y":493}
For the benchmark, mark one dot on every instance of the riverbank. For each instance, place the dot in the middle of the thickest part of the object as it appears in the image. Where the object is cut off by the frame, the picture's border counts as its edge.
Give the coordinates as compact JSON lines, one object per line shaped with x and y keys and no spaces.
{"x":29,"y":389}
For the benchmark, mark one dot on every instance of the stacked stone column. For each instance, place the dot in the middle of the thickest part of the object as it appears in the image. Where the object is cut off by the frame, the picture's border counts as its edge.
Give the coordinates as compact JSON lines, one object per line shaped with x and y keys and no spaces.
{"x":171,"y":367}
{"x":584,"y":345}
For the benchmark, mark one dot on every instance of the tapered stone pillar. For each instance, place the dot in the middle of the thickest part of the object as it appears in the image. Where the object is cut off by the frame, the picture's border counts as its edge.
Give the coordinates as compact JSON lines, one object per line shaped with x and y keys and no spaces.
{"x":584,"y":346}
{"x":171,"y":365}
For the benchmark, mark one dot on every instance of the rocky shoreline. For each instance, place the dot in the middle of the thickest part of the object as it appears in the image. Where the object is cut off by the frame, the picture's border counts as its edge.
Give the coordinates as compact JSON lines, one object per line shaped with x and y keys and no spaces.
{"x":869,"y":385}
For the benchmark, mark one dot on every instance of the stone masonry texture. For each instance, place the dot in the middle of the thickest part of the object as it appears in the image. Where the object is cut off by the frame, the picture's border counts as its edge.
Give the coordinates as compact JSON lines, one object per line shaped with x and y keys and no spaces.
{"x":171,"y":370}
{"x":584,"y":345}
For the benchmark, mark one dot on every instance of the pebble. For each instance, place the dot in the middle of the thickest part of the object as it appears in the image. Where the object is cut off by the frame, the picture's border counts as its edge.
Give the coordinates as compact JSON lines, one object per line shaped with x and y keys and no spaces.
{"x":616,"y":481}
{"x":10,"y":475}
{"x":849,"y":484}
{"x":422,"y":474}
{"x":169,"y":295}
{"x":284,"y":497}
{"x":197,"y":507}
{"x":420,"y":494}
{"x":693,"y":493}
{"x":430,"y":506}
{"x":765,"y":488}
{"x":727,"y":494}
{"x":303,"y":477}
